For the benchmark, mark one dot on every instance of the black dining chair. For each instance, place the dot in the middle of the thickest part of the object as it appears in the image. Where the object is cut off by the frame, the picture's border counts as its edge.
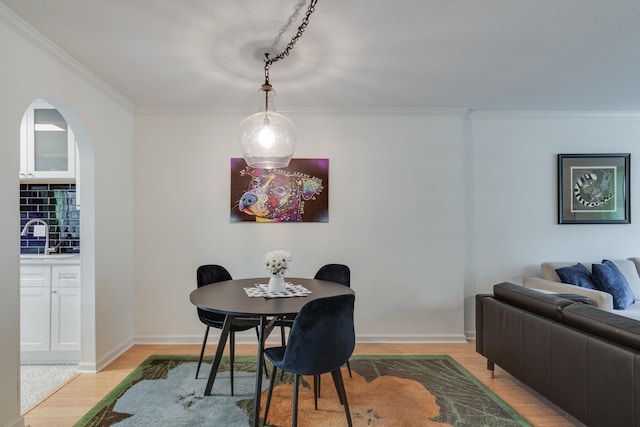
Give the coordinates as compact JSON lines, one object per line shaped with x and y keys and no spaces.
{"x":321,"y":340}
{"x":208,"y":275}
{"x":337,"y":273}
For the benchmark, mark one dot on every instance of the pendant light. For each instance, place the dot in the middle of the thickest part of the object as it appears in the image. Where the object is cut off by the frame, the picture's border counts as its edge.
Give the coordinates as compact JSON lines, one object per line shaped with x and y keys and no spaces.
{"x":268,"y":138}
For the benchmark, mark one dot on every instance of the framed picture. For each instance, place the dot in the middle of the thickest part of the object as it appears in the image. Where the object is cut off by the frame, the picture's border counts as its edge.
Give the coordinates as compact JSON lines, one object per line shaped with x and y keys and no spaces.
{"x":297,"y":193}
{"x":594,"y":189}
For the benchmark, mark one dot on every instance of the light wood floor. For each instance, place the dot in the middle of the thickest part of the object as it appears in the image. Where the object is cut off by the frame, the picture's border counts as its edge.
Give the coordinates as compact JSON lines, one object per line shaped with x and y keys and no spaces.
{"x":71,"y":401}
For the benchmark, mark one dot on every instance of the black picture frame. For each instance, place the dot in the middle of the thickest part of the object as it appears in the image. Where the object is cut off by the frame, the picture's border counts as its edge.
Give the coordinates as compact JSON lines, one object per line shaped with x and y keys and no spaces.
{"x":594,"y":188}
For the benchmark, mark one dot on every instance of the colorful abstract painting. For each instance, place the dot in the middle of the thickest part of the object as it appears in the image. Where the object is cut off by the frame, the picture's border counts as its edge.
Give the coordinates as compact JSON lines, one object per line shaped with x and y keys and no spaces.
{"x":297,"y":193}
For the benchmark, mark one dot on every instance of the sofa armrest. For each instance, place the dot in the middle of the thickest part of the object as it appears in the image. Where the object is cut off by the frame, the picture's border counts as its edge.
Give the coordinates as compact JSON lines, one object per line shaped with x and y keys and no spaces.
{"x":599,"y":299}
{"x":480,"y":298}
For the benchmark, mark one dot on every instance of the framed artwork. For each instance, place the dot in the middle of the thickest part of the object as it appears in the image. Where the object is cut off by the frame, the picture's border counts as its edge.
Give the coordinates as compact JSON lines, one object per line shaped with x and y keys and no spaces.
{"x":297,"y":193}
{"x":594,"y":189}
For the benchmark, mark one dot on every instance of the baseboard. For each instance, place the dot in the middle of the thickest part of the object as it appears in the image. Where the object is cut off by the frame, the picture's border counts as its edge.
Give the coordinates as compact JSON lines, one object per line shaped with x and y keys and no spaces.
{"x":18,"y":422}
{"x":197,"y":339}
{"x":86,"y":368}
{"x":44,"y":357}
{"x":411,"y":339}
{"x":108,"y":358}
{"x":275,"y":339}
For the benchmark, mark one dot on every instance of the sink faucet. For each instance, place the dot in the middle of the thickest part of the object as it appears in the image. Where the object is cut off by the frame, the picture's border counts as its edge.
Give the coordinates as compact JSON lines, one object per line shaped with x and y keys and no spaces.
{"x":47,"y":249}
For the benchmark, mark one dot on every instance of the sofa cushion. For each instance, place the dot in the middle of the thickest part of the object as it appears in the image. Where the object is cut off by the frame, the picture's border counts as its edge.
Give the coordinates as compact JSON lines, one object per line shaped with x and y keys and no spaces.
{"x":576,"y":275}
{"x":604,"y":324}
{"x":546,"y":305}
{"x":548,"y":269}
{"x":629,"y":267}
{"x":608,"y":278}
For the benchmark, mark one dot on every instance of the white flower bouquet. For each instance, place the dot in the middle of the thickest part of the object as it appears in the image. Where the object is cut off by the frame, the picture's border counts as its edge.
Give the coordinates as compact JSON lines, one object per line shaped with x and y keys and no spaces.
{"x":277,"y":262}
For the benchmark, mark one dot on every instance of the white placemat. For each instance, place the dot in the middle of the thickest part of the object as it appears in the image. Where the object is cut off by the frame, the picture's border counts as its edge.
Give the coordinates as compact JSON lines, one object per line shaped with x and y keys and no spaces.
{"x":291,"y":290}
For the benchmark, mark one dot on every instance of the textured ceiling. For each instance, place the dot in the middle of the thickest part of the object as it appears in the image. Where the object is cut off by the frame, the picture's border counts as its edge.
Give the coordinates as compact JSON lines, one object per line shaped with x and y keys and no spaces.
{"x":536,"y":55}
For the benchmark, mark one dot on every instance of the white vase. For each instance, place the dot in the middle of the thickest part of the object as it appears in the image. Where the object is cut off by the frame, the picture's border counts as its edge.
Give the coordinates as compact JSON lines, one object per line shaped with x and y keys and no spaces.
{"x":276,"y":283}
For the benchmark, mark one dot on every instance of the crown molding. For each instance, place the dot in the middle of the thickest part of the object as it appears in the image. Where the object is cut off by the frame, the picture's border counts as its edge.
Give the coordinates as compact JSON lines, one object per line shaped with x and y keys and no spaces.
{"x":37,"y":39}
{"x":464,"y":113}
{"x":356,"y":111}
{"x":524,"y":115}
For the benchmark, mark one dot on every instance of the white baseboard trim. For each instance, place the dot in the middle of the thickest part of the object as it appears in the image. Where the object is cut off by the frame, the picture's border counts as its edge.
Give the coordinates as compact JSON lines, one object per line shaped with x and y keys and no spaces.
{"x":86,"y":368}
{"x":197,"y":339}
{"x":105,"y":360}
{"x":44,"y":357}
{"x":18,"y":422}
{"x":411,"y":339}
{"x":275,"y":339}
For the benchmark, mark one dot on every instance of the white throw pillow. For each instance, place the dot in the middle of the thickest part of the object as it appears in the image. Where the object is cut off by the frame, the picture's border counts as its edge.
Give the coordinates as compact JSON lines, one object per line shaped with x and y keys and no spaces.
{"x":628,"y":268}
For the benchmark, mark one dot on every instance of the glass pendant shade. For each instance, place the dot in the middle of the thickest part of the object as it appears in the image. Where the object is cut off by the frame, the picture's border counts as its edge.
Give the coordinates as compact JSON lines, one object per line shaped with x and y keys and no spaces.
{"x":267,"y":138}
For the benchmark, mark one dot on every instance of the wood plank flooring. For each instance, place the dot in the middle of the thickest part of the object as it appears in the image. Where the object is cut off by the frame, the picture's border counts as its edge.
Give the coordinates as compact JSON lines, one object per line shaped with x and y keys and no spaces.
{"x":71,"y":401}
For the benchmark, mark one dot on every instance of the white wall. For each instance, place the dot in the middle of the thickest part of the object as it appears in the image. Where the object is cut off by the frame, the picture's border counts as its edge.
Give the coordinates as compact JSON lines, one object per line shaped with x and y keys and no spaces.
{"x":427,"y":210}
{"x":102,"y":122}
{"x":515,"y":193}
{"x":395,"y":218}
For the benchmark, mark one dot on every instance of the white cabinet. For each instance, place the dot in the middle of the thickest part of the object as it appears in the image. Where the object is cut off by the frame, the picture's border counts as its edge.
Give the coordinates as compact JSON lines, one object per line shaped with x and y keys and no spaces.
{"x":47,"y":144}
{"x":35,"y":309}
{"x":50,"y":312}
{"x":65,"y":308}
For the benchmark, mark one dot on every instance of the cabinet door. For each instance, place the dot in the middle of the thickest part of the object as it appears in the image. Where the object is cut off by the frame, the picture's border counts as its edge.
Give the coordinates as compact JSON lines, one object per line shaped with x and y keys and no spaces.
{"x":34,"y":318}
{"x":65,"y":319}
{"x":49,"y":145}
{"x":65,"y":308}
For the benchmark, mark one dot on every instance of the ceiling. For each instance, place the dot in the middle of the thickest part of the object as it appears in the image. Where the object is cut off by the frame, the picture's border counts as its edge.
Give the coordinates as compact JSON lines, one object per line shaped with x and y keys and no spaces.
{"x":492,"y":55}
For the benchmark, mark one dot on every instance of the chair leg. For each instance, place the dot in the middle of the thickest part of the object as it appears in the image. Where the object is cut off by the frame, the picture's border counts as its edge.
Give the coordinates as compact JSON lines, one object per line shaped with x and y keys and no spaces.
{"x":264,"y":362}
{"x":283,"y":341}
{"x":337,"y":379}
{"x":204,"y":343}
{"x":316,"y":390}
{"x":232,"y":355}
{"x":296,"y":382}
{"x":335,"y":383}
{"x":266,"y":406}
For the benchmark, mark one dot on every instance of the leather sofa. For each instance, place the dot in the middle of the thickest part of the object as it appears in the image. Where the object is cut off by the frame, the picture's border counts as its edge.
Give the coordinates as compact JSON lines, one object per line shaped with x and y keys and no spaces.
{"x":583,"y":359}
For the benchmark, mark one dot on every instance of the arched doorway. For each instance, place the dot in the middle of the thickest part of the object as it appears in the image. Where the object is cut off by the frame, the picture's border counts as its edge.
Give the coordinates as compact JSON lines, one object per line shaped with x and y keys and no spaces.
{"x":86,"y":185}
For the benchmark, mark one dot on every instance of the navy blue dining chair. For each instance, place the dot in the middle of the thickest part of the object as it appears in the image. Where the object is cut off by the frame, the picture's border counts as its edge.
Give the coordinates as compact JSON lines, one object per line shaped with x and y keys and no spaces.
{"x":209,"y":275}
{"x":321,"y":340}
{"x":337,"y":273}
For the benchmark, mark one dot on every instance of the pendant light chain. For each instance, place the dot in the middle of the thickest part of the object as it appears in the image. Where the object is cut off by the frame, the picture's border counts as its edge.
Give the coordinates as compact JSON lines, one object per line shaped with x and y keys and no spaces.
{"x":268,"y":138}
{"x":294,"y":39}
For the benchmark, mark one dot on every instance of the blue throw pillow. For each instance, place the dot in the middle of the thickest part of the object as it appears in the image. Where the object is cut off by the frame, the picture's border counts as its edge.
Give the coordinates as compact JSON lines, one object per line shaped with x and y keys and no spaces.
{"x":577,"y":275}
{"x":608,"y":278}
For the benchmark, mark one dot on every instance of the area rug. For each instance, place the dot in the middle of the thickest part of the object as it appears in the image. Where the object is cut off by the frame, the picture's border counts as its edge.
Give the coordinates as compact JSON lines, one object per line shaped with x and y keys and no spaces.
{"x":383,"y":391}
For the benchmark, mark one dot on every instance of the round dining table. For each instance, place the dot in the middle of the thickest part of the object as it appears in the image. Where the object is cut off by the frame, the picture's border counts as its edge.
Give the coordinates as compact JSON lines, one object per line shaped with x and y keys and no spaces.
{"x":232,"y":300}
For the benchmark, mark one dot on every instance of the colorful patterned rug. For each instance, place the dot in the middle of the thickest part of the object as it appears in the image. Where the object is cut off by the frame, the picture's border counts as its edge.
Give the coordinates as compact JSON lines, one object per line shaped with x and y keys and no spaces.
{"x":384,"y":391}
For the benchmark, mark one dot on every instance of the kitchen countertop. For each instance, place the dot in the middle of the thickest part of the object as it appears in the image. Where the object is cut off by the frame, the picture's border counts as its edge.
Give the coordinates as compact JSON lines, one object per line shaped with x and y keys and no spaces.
{"x":50,"y":259}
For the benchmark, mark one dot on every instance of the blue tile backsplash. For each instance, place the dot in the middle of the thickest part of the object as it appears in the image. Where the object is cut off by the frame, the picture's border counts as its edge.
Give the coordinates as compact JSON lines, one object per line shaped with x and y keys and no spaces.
{"x":56,"y":204}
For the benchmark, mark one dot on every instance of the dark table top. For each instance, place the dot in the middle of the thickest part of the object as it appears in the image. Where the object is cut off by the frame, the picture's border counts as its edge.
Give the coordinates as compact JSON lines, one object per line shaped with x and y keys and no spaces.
{"x":229,"y":297}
